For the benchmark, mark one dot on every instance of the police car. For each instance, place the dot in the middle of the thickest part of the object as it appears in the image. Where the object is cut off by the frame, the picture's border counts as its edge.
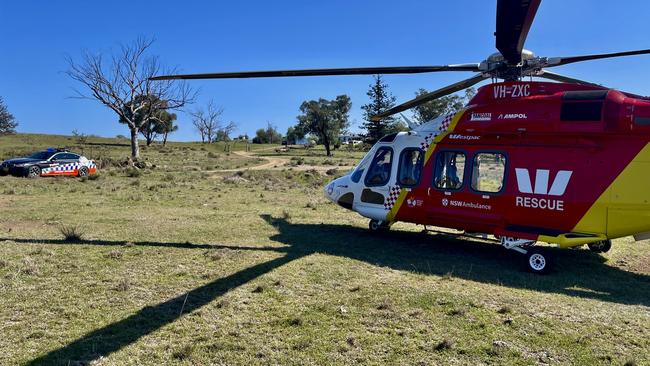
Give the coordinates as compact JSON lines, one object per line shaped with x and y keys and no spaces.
{"x":50,"y":162}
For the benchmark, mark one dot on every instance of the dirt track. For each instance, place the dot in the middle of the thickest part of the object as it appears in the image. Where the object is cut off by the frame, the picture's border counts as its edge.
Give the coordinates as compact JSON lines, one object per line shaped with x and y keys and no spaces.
{"x":273,"y":163}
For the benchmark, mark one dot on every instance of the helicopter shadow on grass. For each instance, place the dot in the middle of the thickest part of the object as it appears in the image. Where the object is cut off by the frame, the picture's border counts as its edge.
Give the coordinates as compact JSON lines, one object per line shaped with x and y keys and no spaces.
{"x":579,"y":273}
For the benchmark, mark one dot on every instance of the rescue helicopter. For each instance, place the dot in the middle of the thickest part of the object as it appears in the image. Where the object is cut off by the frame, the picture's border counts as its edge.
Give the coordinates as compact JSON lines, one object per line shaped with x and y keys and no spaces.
{"x":564,"y":162}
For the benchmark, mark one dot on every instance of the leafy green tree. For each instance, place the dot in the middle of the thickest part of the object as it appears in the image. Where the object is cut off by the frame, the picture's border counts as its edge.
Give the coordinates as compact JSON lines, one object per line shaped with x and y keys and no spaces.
{"x":165,"y":125}
{"x":442,"y":106}
{"x":380,"y":100}
{"x":152,"y":118}
{"x":268,"y":135}
{"x":260,"y":136}
{"x":8,"y":122}
{"x":325,"y":119}
{"x":294,"y":134}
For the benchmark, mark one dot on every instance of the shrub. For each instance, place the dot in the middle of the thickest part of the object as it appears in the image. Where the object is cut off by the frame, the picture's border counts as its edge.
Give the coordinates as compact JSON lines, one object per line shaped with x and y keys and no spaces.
{"x":71,"y":234}
{"x":445,"y":344}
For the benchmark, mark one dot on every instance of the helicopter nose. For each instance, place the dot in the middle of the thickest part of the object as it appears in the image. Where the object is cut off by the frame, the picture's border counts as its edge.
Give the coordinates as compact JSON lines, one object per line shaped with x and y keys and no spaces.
{"x":339,"y":192}
{"x":336,"y":188}
{"x":330,"y":191}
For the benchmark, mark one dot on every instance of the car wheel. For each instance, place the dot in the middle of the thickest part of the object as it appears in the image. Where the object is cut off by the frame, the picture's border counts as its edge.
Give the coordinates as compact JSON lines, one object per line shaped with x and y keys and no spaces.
{"x":83,"y":172}
{"x":33,"y":172}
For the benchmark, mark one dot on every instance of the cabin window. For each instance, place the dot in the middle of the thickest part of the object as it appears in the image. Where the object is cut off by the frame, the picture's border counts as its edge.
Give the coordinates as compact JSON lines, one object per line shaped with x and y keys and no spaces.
{"x":582,"y":111}
{"x":410,"y":167}
{"x":489,"y":172}
{"x":642,"y":121}
{"x":379,"y":171}
{"x":450,"y":170}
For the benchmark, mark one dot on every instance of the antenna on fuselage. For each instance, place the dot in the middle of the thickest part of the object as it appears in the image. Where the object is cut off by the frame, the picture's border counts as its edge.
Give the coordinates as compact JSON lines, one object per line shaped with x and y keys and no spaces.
{"x":412,"y":125}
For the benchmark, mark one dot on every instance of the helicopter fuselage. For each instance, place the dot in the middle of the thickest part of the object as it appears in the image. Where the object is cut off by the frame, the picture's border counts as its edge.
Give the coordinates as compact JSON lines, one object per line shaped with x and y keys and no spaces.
{"x":558,"y":163}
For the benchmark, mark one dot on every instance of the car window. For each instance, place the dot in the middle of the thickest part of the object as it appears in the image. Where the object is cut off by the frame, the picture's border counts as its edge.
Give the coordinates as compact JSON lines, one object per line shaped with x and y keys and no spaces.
{"x":379,"y":171}
{"x":66,"y":156}
{"x":42,"y":155}
{"x":450,"y":170}
{"x":410,"y":167}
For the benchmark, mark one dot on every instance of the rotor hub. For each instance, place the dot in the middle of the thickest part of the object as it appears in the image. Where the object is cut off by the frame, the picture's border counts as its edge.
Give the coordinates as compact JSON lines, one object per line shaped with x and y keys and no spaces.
{"x":497,"y":57}
{"x":497,"y":66}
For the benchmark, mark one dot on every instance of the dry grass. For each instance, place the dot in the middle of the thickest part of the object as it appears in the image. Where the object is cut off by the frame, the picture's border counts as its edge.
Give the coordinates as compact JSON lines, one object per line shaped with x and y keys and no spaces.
{"x":171,"y":275}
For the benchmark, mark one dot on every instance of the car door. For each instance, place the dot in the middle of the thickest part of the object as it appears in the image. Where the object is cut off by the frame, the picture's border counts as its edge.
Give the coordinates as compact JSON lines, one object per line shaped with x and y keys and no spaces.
{"x":65,"y":163}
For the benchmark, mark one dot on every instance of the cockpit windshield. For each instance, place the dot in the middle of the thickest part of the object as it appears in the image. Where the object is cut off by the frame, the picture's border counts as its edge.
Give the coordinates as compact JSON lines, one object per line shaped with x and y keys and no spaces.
{"x":363,"y":165}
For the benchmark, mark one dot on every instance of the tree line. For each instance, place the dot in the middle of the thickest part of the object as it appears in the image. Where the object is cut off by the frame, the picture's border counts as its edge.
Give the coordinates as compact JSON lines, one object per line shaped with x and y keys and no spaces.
{"x":327,"y":120}
{"x":124,"y":84}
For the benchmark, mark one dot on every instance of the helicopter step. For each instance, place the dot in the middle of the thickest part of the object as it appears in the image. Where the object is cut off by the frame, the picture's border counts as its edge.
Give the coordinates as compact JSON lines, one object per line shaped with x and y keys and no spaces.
{"x":462,"y":234}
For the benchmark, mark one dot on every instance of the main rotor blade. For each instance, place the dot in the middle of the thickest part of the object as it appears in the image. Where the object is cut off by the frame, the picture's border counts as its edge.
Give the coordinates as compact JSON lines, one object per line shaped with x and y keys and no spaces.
{"x":558,"y":61}
{"x":450,"y":89}
{"x":564,"y":79}
{"x":324,"y":72}
{"x":514,"y":18}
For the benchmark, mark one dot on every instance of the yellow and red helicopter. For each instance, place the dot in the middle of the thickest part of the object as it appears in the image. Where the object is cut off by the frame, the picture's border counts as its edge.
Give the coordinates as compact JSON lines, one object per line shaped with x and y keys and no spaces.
{"x":564,"y":162}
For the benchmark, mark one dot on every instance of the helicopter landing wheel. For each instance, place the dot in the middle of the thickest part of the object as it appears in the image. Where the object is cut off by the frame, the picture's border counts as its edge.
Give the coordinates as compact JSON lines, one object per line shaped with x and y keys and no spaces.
{"x":377,"y":226}
{"x":602,"y":246}
{"x":538,"y":262}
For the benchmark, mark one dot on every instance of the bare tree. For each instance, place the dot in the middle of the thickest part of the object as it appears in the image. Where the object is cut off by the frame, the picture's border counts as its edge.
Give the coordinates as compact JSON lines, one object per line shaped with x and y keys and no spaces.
{"x":224,"y":132}
{"x":207,"y":121}
{"x":122,"y":83}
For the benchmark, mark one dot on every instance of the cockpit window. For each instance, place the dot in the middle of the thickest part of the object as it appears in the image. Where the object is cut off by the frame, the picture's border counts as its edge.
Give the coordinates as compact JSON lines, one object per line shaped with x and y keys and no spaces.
{"x":379,"y":171}
{"x":450,"y":169}
{"x":358,"y":172}
{"x":410,"y":167}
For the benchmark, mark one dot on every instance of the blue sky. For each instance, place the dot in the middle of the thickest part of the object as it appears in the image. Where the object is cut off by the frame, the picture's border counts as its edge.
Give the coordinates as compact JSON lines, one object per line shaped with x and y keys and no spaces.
{"x":211,"y":36}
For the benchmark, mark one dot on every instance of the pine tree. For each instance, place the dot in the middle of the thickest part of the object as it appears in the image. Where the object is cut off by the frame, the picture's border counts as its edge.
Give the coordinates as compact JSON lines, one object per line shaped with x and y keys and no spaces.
{"x":8,"y":123}
{"x":380,"y":100}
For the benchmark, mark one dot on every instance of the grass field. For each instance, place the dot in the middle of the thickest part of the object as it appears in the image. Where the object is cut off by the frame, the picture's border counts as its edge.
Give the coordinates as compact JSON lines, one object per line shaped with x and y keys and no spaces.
{"x":185,"y":263}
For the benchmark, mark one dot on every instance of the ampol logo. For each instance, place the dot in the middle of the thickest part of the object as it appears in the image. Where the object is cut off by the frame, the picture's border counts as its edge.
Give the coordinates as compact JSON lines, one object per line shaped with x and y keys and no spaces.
{"x":541,"y":187}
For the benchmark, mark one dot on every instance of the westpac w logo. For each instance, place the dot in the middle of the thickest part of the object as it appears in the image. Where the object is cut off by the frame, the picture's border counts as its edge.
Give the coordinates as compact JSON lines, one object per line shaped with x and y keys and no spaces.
{"x":558,"y":187}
